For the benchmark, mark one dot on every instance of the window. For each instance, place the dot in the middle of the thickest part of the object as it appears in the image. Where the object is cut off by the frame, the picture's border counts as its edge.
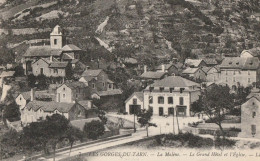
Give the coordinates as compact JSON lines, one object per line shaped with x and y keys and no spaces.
{"x":226,"y":79}
{"x":76,"y":95}
{"x":160,"y":100}
{"x":93,"y":86}
{"x":64,"y":95}
{"x":55,"y":41}
{"x":181,"y":100}
{"x":248,"y":72}
{"x":170,"y":100}
{"x":234,"y":73}
{"x":150,"y":99}
{"x":181,"y":90}
{"x":226,"y":72}
{"x":151,"y":89}
{"x":135,"y":101}
{"x":161,"y":89}
{"x":104,"y":84}
{"x":150,"y":107}
{"x":64,"y":89}
{"x":253,"y":129}
{"x":249,"y":80}
{"x":253,"y":114}
{"x":55,"y":70}
{"x":171,"y":90}
{"x":234,"y":79}
{"x":109,"y":86}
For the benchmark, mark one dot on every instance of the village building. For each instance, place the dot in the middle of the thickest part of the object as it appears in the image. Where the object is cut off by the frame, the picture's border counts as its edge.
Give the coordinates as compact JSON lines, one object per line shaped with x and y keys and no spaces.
{"x":254,"y":52}
{"x":57,"y":50}
{"x":72,"y":91}
{"x":212,"y":73}
{"x":239,"y":71}
{"x":171,"y":95}
{"x":195,"y":73}
{"x":250,"y":112}
{"x":50,"y":67}
{"x":25,"y":97}
{"x":194,"y":63}
{"x":136,"y":100}
{"x":170,"y":69}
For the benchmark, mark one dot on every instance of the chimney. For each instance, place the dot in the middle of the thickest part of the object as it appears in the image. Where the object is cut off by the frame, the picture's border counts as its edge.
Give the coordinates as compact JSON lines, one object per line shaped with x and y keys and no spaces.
{"x":163,"y":68}
{"x":32,"y":94}
{"x":145,"y":68}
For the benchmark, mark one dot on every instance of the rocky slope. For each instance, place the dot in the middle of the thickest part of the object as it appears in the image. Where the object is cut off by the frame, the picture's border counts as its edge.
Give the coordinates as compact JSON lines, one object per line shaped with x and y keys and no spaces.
{"x":162,"y":28}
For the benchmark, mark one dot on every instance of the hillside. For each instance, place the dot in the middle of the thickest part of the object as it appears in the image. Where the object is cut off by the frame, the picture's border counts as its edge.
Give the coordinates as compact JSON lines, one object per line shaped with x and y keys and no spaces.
{"x":159,"y":28}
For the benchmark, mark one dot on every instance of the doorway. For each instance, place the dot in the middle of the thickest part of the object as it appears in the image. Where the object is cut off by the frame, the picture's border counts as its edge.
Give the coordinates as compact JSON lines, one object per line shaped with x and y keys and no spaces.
{"x":160,"y":111}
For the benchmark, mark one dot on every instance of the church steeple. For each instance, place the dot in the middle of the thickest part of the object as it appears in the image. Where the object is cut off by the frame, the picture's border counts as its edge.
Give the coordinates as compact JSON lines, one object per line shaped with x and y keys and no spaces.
{"x":56,"y":38}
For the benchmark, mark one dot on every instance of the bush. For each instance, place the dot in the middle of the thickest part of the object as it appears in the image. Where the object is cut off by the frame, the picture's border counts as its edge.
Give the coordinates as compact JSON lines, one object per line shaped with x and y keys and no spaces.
{"x":224,"y":143}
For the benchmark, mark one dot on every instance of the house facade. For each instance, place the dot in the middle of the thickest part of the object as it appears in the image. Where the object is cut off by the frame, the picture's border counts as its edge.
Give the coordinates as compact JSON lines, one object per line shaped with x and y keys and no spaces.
{"x":72,"y":91}
{"x":136,"y":100}
{"x":196,"y":73}
{"x":239,"y":71}
{"x":171,"y":69}
{"x":212,"y":74}
{"x":250,"y":117}
{"x":171,"y":95}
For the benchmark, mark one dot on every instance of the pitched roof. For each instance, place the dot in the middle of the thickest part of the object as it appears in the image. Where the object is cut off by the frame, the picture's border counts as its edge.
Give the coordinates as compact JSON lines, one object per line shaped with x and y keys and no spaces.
{"x":190,"y":70}
{"x":38,"y":94}
{"x":139,"y":95}
{"x":42,"y":51}
{"x":167,"y":66}
{"x":109,"y":92}
{"x":50,"y":106}
{"x":71,"y":47}
{"x":178,"y":65}
{"x":193,"y":62}
{"x":153,"y":75}
{"x":88,"y":78}
{"x":91,"y":72}
{"x":68,"y":56}
{"x":7,"y":74}
{"x":210,"y":61}
{"x":58,"y":65}
{"x":255,"y":92}
{"x":174,"y":81}
{"x":251,"y":63}
{"x":109,"y":81}
{"x":75,"y":85}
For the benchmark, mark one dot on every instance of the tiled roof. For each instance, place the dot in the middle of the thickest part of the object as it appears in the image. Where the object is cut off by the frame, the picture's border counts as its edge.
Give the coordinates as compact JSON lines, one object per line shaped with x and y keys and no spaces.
{"x":71,"y":47}
{"x":254,"y":51}
{"x":7,"y":74}
{"x":210,"y":61}
{"x":190,"y":70}
{"x":91,"y":72}
{"x":167,"y":66}
{"x":178,"y":65}
{"x":193,"y":62}
{"x":153,"y":75}
{"x":109,"y":92}
{"x":139,"y":95}
{"x":88,"y":78}
{"x":174,"y":81}
{"x":42,"y":51}
{"x":58,"y":65}
{"x":240,"y":63}
{"x":50,"y":106}
{"x":75,"y":85}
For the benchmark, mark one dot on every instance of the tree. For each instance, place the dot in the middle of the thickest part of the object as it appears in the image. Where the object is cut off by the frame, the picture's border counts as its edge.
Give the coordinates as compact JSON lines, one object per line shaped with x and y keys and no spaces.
{"x":73,"y":134}
{"x":94,"y":129}
{"x":12,"y":111}
{"x":144,"y":118}
{"x":31,"y":80}
{"x":216,"y":102}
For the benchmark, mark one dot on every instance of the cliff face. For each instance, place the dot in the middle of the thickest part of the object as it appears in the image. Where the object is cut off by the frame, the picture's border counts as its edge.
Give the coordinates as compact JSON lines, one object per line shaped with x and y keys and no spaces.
{"x":160,"y":27}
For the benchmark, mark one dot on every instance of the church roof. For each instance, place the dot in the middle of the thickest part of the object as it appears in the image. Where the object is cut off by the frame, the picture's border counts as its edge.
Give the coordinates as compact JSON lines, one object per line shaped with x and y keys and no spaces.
{"x":42,"y":51}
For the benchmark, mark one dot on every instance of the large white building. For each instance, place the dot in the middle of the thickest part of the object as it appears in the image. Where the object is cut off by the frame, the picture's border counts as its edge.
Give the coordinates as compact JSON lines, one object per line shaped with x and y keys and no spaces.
{"x":170,"y":95}
{"x":239,"y":71}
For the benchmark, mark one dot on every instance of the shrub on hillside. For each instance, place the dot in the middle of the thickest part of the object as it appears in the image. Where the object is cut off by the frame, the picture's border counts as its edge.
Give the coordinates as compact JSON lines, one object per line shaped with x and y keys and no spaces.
{"x":224,"y":143}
